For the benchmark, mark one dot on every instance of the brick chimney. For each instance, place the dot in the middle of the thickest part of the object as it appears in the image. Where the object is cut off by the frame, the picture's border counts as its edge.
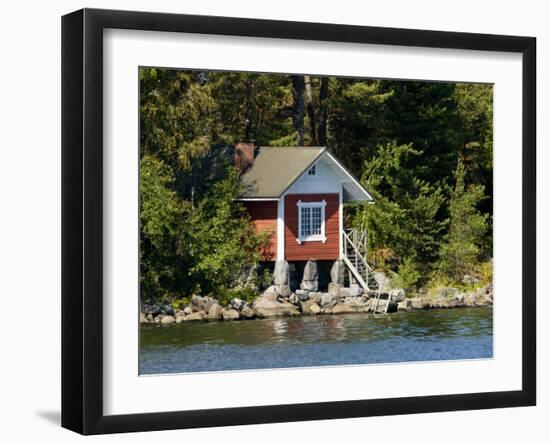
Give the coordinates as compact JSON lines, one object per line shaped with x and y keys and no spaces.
{"x":244,"y":155}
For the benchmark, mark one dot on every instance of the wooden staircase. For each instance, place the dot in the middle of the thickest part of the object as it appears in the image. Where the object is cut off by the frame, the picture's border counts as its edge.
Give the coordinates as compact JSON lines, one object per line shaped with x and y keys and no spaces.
{"x":354,"y":245}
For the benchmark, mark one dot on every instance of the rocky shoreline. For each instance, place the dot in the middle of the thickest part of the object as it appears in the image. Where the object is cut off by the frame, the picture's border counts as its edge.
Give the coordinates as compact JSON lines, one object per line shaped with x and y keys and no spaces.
{"x":280,"y":300}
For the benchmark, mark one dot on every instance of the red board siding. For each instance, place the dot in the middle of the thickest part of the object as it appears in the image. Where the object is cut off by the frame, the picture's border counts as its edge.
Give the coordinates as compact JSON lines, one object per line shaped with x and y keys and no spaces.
{"x":330,"y":250}
{"x":264,"y":217}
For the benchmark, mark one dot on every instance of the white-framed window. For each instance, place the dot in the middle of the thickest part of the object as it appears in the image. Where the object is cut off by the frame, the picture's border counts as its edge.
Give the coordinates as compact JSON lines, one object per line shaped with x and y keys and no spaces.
{"x":312,"y":170}
{"x":311,"y":221}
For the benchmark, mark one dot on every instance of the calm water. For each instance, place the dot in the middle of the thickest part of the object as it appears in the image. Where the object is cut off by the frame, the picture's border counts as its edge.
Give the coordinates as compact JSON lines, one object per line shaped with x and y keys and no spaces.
{"x":317,"y":341}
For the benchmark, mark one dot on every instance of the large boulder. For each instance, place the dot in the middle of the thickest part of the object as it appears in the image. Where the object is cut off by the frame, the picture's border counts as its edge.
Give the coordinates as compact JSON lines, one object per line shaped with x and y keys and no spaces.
{"x":327,"y":300}
{"x":337,"y":272}
{"x":284,"y":291}
{"x":382,"y":281}
{"x":355,"y":290}
{"x":167,"y":319}
{"x":315,"y":297}
{"x":270,"y":293}
{"x":404,"y":305}
{"x":153,"y":310}
{"x":310,"y":280}
{"x":215,"y":312}
{"x":247,"y":312}
{"x":397,"y":295}
{"x":236,"y":304}
{"x":264,"y":307}
{"x":309,"y":285}
{"x":309,"y":308}
{"x":421,"y":303}
{"x":196,"y":316}
{"x":310,"y":271}
{"x":335,"y":289}
{"x":230,"y":314}
{"x":198,"y":303}
{"x":446,"y":292}
{"x":281,"y":274}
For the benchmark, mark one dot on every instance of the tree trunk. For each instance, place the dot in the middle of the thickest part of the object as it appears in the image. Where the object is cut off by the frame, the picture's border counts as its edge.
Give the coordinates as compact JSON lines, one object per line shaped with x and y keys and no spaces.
{"x":249,"y":108}
{"x":298,"y":107}
{"x":310,"y":111}
{"x":323,"y":94}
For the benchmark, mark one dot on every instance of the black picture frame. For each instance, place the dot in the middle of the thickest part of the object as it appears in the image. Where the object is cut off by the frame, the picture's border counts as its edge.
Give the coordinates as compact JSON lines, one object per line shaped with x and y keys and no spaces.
{"x":82,"y":218}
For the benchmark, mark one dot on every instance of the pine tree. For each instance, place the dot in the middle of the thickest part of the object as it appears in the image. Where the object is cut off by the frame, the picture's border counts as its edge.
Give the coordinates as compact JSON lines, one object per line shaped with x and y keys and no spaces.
{"x":461,"y":249}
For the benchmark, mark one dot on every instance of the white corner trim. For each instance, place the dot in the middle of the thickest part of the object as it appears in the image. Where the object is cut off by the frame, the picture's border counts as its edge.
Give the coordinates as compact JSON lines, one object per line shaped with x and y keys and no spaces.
{"x":346,"y":172}
{"x":281,"y":228}
{"x":340,"y":222}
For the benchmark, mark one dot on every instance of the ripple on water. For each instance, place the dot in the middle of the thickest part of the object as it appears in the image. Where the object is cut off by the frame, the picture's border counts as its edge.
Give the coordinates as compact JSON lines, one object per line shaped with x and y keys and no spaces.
{"x":317,"y":341}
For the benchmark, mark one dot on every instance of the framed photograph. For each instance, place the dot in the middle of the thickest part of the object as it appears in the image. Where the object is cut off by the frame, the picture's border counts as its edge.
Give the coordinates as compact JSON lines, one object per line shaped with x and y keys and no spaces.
{"x":269,"y":221}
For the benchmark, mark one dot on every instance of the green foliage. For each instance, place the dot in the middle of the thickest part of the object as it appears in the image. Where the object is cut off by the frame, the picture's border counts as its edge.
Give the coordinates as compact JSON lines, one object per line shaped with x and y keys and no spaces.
{"x":404,"y":217}
{"x":223,"y":247}
{"x":160,"y":213}
{"x":461,"y":249}
{"x":403,"y":139}
{"x":407,"y":276}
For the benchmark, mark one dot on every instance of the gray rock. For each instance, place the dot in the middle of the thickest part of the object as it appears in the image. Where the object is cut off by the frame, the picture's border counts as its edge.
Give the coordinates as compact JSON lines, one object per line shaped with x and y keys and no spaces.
{"x":167,"y":319}
{"x":215,"y":312}
{"x":281,"y":273}
{"x":310,"y":271}
{"x":327,"y":300}
{"x":294,"y":299}
{"x":247,"y":312}
{"x":187,"y":310}
{"x":230,"y":314}
{"x":445,"y":292}
{"x":404,"y":305}
{"x":236,"y":304}
{"x":358,"y":302}
{"x":152,"y":310}
{"x":195,"y":316}
{"x":337,"y":272}
{"x":397,"y":295}
{"x":382,"y":281}
{"x":355,"y":290}
{"x":334,"y":288}
{"x":309,"y":285}
{"x":264,"y":307}
{"x":270,"y":293}
{"x":315,"y":297}
{"x":198,"y":303}
{"x":210,"y":301}
{"x":420,"y":303}
{"x":283,"y":290}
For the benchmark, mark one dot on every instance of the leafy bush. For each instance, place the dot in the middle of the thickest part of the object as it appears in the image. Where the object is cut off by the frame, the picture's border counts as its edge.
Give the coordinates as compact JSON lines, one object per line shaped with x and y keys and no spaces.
{"x":407,"y":275}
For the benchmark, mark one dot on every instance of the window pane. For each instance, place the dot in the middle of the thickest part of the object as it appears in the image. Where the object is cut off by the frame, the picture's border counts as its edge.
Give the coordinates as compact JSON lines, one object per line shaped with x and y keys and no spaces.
{"x":306,"y":221}
{"x":316,"y":221}
{"x":311,"y":221}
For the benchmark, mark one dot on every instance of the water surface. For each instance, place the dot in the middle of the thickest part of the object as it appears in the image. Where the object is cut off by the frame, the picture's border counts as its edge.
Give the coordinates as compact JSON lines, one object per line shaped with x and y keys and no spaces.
{"x":438,"y":334}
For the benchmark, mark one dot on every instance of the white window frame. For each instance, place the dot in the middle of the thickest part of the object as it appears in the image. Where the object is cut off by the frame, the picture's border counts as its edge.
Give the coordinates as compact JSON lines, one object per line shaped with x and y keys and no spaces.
{"x":319,"y":237}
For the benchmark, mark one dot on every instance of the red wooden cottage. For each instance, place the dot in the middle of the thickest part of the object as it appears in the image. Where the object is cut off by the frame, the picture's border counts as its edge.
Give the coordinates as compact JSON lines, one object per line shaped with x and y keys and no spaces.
{"x":297,"y":194}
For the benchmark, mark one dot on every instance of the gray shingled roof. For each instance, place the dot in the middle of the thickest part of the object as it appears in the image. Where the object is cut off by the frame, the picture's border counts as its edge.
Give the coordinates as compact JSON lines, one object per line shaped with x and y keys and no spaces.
{"x":275,"y":169}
